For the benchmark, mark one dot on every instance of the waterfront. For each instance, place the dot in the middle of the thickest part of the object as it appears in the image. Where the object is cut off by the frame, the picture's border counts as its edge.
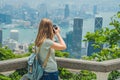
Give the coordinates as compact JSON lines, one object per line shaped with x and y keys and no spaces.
{"x":27,"y":35}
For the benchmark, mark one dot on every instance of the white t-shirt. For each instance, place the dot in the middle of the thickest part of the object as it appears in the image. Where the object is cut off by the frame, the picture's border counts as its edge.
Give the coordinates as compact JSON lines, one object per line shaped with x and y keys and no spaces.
{"x":51,"y":64}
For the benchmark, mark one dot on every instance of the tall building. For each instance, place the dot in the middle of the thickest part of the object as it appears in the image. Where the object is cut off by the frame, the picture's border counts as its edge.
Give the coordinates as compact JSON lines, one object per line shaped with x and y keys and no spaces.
{"x":98,"y":22}
{"x":95,"y":9}
{"x":0,"y":37}
{"x":2,"y":3}
{"x":84,"y":49}
{"x":98,"y":25}
{"x":14,"y":34}
{"x":4,"y":18}
{"x":77,"y":35}
{"x":67,"y":11}
{"x":42,"y":9}
{"x":68,"y":41}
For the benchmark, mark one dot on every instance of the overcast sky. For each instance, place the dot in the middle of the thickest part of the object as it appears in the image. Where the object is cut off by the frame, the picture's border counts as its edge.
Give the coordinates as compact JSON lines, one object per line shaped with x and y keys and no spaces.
{"x":34,"y":3}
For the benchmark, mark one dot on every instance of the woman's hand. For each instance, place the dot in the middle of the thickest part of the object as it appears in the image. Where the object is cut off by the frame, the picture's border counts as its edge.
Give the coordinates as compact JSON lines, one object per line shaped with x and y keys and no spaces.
{"x":57,"y":31}
{"x":60,"y":45}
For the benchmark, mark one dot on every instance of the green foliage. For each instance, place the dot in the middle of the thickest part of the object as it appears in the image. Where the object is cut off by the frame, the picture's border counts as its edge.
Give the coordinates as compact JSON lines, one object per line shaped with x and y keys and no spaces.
{"x":0,"y":45}
{"x":18,"y":74}
{"x":22,"y":55}
{"x":14,"y":76}
{"x":114,"y":75}
{"x":84,"y":75}
{"x":61,"y":54}
{"x":30,"y":48}
{"x":65,"y":74}
{"x":105,"y":54}
{"x":3,"y":77}
{"x":6,"y":54}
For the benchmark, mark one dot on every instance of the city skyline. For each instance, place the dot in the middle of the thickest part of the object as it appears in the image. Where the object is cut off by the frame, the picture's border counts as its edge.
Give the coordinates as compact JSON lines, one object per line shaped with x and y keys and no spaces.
{"x":90,"y":29}
{"x":25,"y":19}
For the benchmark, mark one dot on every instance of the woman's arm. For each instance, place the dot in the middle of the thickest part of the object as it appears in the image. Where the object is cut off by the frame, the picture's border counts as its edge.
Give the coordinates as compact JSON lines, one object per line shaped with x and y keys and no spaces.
{"x":61,"y":44}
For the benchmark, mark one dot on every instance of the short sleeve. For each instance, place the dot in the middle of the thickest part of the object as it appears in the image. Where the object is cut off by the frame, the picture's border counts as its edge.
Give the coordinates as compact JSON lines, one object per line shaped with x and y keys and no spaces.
{"x":49,"y":43}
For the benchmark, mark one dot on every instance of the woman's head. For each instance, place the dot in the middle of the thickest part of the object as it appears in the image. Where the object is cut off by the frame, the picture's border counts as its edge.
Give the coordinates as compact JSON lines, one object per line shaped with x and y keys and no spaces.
{"x":45,"y":31}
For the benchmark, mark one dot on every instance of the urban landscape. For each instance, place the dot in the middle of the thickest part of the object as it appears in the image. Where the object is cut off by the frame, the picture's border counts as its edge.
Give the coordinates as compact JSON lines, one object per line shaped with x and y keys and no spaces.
{"x":85,"y":27}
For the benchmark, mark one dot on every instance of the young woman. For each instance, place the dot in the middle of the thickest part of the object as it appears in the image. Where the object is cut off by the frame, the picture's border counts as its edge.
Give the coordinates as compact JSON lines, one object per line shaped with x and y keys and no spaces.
{"x":44,"y":40}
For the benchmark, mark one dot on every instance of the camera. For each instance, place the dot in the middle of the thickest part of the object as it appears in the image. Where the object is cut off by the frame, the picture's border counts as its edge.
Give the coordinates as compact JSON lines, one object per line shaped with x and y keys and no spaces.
{"x":55,"y":26}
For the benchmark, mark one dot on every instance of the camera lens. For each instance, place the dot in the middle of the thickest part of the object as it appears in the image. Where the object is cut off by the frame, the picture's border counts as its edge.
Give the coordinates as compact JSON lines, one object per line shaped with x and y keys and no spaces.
{"x":55,"y":26}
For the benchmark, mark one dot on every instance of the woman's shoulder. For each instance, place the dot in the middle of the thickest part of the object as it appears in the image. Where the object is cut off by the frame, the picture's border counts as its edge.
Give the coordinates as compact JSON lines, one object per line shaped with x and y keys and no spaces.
{"x":48,"y":41}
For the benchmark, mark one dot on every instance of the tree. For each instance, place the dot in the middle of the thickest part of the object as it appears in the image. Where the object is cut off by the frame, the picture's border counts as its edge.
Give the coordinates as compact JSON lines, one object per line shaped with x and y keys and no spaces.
{"x":107,"y":37}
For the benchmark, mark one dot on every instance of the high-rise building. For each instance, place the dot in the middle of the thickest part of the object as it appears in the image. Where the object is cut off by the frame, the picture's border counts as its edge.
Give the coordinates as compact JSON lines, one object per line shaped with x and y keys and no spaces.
{"x":84,"y":49}
{"x":4,"y":18}
{"x":98,"y":26}
{"x":98,"y":22}
{"x":68,"y":41}
{"x":14,"y":34}
{"x":67,"y":11}
{"x":2,"y":3}
{"x":42,"y":9}
{"x":77,"y":35}
{"x":0,"y":37}
{"x":95,"y":9}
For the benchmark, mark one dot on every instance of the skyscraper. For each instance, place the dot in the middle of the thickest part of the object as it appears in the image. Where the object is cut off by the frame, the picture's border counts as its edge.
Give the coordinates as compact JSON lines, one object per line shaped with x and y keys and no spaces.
{"x":4,"y":18}
{"x":0,"y":37}
{"x":68,"y":41}
{"x":1,"y":3}
{"x":42,"y":9}
{"x":95,"y":9}
{"x":98,"y":22}
{"x":14,"y":34}
{"x":67,"y":11}
{"x":77,"y":35}
{"x":98,"y":25}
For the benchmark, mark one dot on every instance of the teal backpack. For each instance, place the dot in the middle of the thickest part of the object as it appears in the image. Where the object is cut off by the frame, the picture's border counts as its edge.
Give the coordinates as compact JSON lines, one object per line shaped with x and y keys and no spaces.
{"x":35,"y":69}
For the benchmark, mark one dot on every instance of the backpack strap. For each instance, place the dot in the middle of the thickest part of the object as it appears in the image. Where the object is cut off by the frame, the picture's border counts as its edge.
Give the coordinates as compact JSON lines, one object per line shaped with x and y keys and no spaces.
{"x":46,"y":59}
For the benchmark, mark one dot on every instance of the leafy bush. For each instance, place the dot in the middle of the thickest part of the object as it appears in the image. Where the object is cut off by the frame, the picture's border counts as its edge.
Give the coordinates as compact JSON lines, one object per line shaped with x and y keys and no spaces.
{"x":65,"y":74}
{"x":6,"y":54}
{"x":18,"y":74}
{"x":61,"y":54}
{"x":30,"y":48}
{"x":3,"y":77}
{"x":84,"y":75}
{"x":114,"y":75}
{"x":22,"y":55}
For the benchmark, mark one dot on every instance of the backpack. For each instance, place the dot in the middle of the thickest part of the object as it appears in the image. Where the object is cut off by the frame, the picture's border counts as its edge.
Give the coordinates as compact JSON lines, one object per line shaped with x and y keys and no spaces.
{"x":35,"y":69}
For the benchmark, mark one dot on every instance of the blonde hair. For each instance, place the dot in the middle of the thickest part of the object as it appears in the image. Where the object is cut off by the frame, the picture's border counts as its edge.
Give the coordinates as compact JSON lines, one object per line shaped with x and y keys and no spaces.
{"x":45,"y":31}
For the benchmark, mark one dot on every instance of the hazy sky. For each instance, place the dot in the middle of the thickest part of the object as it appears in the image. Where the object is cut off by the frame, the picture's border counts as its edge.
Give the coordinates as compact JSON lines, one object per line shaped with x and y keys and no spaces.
{"x":34,"y":3}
